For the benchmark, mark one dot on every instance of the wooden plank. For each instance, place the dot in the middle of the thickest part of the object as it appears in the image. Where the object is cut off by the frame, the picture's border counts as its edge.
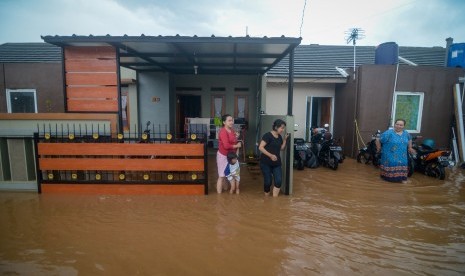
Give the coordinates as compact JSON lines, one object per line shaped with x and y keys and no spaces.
{"x":120,"y":149}
{"x":90,"y":52}
{"x":113,"y":118}
{"x":124,"y":189}
{"x":108,"y":164}
{"x":93,"y":105}
{"x":90,"y":65}
{"x":104,"y":92}
{"x":91,"y":79}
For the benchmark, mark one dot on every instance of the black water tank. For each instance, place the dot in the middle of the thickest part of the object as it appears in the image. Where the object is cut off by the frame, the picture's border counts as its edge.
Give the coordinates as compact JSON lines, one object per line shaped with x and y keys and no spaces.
{"x":456,"y":55}
{"x":387,"y":53}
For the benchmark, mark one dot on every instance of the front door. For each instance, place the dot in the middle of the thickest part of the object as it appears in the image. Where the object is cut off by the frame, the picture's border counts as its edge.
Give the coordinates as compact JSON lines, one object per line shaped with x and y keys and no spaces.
{"x":187,"y":106}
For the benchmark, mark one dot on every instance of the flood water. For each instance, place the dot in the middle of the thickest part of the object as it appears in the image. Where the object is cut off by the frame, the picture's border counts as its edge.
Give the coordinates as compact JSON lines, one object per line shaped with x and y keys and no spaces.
{"x":345,"y":222}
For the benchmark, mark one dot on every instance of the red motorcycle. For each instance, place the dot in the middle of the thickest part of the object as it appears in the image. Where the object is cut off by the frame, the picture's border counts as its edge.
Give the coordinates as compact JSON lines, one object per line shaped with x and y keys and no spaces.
{"x":429,"y":160}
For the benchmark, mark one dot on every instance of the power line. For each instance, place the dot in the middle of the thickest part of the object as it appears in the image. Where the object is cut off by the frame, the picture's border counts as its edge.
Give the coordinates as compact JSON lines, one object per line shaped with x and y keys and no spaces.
{"x":302,"y":21}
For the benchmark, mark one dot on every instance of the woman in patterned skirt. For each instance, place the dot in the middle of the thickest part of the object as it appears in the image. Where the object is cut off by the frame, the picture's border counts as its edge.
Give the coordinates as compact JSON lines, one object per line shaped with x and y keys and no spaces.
{"x":394,"y":144}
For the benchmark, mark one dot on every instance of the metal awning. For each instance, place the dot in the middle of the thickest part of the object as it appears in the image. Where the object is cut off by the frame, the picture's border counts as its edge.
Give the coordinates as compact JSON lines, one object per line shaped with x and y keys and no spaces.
{"x":190,"y":55}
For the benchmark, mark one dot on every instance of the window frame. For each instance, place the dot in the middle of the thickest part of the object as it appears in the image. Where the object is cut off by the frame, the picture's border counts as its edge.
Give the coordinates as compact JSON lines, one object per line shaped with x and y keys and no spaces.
{"x":212,"y":104}
{"x":8,"y":97}
{"x":420,"y":109}
{"x":246,"y":107}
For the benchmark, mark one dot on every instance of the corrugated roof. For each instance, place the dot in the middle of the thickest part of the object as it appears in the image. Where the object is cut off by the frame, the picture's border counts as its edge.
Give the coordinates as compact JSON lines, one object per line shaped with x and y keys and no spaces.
{"x":29,"y":52}
{"x":190,"y":54}
{"x":319,"y":61}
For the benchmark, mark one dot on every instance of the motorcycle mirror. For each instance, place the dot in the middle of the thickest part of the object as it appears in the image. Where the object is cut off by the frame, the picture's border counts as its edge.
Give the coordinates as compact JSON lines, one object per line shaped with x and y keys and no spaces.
{"x":148,"y":123}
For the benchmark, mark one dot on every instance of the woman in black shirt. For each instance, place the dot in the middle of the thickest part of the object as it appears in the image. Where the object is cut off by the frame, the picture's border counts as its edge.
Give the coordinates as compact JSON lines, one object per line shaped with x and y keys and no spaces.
{"x":271,"y":146}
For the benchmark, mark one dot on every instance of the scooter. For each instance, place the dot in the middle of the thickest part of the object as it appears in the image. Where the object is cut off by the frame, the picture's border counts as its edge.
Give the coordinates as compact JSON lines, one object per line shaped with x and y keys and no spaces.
{"x":329,"y":154}
{"x":428,"y":160}
{"x":300,"y":153}
{"x":369,"y":153}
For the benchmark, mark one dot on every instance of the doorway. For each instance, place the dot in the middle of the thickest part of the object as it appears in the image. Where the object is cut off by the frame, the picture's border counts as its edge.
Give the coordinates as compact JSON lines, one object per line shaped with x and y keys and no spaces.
{"x":187,"y":106}
{"x":319,"y":113}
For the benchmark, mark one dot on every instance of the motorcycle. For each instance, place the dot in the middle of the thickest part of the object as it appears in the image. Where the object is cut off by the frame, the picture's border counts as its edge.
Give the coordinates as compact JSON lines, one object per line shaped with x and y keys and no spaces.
{"x":369,"y":153}
{"x":303,"y":155}
{"x":300,"y":153}
{"x":428,"y":160}
{"x":328,"y":152}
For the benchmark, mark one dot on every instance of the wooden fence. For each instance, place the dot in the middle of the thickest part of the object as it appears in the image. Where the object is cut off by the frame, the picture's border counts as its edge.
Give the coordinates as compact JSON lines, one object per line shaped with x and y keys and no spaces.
{"x":115,"y":164}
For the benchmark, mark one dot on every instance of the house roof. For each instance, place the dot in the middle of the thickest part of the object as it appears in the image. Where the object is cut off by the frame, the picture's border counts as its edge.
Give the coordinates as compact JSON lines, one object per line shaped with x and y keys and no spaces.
{"x":29,"y":52}
{"x":189,"y":55}
{"x":320,"y":61}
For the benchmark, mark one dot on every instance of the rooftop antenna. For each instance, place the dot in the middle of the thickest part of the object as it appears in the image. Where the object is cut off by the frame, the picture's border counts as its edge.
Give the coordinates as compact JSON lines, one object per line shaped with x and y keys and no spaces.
{"x":352,"y":35}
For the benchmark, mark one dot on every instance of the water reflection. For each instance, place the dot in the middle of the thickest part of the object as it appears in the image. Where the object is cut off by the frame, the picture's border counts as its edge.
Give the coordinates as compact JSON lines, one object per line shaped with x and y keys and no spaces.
{"x":343,"y":222}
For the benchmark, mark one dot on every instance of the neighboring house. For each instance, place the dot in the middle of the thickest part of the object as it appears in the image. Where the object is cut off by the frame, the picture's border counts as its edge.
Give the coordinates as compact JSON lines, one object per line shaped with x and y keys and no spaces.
{"x":31,"y":78}
{"x":322,"y":94}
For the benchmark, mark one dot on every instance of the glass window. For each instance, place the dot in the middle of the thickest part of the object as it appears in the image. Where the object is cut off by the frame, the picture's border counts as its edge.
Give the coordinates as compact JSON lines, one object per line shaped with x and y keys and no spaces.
{"x":408,"y":106}
{"x":217,"y":106}
{"x":241,"y":107}
{"x":21,"y":100}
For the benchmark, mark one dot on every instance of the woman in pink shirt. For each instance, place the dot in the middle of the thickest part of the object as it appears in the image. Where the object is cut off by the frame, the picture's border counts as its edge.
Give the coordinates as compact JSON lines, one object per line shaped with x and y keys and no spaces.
{"x":227,"y":142}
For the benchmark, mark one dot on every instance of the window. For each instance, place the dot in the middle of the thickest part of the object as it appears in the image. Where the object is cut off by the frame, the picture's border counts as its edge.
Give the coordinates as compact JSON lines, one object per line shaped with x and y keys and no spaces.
{"x":21,"y":100}
{"x":217,"y":106}
{"x":241,"y":107}
{"x":408,"y":106}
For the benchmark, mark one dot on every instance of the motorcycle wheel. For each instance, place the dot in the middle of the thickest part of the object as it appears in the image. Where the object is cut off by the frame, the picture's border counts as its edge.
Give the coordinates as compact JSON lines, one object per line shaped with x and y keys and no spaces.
{"x":300,"y":165}
{"x":363,"y":157}
{"x":333,"y":163}
{"x":436,"y":171}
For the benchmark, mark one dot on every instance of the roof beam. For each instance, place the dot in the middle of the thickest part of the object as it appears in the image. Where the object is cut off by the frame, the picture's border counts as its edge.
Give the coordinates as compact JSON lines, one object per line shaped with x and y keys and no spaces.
{"x":130,"y":50}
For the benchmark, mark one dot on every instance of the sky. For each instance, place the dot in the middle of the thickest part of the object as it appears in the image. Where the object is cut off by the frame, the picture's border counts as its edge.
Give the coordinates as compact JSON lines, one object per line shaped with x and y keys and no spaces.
{"x":424,"y":23}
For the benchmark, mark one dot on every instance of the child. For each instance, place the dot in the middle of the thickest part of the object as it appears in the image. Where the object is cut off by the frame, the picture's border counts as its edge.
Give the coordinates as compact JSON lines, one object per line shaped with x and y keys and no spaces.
{"x":232,"y":172}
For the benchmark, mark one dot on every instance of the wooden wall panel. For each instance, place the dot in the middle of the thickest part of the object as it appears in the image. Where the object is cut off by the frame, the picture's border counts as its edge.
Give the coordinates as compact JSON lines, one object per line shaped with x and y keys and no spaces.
{"x":93,"y":105}
{"x":89,"y":52}
{"x":102,"y":92}
{"x":91,"y":74}
{"x":92,"y":65}
{"x":91,"y":79}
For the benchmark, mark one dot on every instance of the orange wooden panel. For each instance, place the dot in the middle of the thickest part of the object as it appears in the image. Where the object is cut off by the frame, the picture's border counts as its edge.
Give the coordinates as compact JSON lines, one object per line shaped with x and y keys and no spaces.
{"x":90,"y":65}
{"x":108,"y":164}
{"x":93,"y":105}
{"x":91,"y":79}
{"x":92,"y":92}
{"x":121,"y":149}
{"x":124,"y":189}
{"x":90,"y":52}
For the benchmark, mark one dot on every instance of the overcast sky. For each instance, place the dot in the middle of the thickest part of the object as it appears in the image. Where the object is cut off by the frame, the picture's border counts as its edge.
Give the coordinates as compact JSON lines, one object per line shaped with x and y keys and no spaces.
{"x":407,"y":22}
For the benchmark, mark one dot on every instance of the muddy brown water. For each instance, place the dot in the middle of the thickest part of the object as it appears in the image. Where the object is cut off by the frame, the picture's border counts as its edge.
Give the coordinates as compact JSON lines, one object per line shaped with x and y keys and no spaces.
{"x":345,"y":222}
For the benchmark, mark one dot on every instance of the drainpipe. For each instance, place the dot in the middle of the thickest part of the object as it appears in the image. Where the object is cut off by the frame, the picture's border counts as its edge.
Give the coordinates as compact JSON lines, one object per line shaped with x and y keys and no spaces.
{"x":449,"y":41}
{"x":290,"y":97}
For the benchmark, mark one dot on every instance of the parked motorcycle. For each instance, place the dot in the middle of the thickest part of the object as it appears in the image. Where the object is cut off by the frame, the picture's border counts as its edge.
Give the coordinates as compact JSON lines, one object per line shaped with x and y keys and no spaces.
{"x":369,"y":153}
{"x":428,"y":160}
{"x":300,"y":153}
{"x":328,"y":152}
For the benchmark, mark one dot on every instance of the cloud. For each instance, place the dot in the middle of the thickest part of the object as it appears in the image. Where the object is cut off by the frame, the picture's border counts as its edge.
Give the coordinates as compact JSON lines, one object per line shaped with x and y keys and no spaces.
{"x":412,"y":23}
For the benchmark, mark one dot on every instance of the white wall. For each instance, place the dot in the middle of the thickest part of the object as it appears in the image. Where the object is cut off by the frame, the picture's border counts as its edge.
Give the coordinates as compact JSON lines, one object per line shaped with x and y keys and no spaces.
{"x":276,"y":100}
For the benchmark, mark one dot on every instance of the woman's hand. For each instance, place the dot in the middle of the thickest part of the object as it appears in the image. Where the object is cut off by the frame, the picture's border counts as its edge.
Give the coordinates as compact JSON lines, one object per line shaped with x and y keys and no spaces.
{"x":273,"y":157}
{"x":238,"y":145}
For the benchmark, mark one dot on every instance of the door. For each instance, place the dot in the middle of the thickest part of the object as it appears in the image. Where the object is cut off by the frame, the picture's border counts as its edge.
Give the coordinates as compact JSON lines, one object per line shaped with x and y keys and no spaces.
{"x":187,"y":106}
{"x":319,"y":113}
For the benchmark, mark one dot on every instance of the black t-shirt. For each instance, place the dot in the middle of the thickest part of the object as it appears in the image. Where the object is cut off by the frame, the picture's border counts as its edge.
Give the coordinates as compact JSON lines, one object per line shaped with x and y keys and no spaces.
{"x":273,"y":146}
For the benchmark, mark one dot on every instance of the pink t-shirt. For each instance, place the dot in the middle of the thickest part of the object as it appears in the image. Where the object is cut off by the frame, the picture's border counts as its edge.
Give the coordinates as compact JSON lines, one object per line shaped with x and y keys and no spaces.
{"x":226,"y":141}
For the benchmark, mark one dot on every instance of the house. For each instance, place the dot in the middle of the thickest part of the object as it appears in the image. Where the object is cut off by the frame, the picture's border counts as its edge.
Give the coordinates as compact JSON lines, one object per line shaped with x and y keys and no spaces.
{"x":322,"y":94}
{"x":177,"y":78}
